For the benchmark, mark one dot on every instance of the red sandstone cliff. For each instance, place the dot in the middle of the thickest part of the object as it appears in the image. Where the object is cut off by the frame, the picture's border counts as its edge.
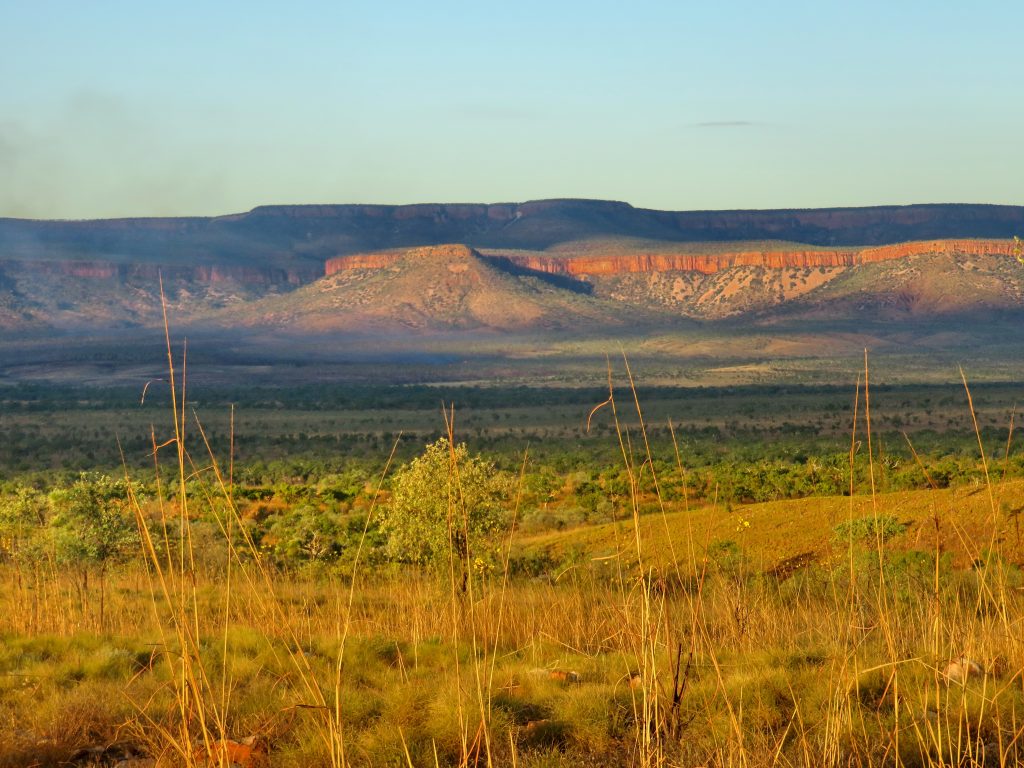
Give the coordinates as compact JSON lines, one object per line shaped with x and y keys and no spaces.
{"x":966,"y":247}
{"x":629,"y":262}
{"x":682,"y":262}
{"x":383,"y":259}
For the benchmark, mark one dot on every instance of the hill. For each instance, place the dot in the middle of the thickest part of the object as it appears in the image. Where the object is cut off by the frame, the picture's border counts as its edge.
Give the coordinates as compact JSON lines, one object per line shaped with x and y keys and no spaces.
{"x":722,"y":290}
{"x":780,"y":536}
{"x":921,"y":286}
{"x":711,"y":281}
{"x":435,"y":288}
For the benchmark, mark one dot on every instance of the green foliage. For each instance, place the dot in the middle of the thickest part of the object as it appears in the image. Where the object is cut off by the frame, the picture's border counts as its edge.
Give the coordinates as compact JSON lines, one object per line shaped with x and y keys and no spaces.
{"x":442,"y":501}
{"x":320,"y":444}
{"x":883,"y":526}
{"x":92,"y":524}
{"x":304,"y":534}
{"x":906,"y":575}
{"x":23,"y":517}
{"x":725,"y":555}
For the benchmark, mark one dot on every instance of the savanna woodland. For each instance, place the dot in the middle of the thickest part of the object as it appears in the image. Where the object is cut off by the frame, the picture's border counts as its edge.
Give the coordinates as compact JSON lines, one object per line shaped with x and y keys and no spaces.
{"x":755,"y":576}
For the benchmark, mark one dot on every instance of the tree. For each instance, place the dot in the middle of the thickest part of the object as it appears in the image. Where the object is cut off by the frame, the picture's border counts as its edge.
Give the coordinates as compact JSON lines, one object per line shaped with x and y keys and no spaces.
{"x":23,"y":520}
{"x":445,"y":503}
{"x":24,"y":541}
{"x":93,"y":527}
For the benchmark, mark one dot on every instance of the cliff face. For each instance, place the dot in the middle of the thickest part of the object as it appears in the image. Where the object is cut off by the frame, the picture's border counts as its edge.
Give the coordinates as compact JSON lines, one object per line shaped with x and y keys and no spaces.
{"x":575,"y":266}
{"x":632,"y":262}
{"x":360,"y":261}
{"x":966,"y":247}
{"x":682,"y":262}
{"x":385,"y":259}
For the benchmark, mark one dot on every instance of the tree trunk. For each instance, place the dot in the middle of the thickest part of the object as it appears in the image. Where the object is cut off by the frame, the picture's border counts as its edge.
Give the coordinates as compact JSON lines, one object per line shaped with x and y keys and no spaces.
{"x":85,"y":593}
{"x":103,"y":591}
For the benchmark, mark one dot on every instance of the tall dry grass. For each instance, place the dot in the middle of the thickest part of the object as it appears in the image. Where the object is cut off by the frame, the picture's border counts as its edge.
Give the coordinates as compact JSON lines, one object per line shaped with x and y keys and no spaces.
{"x":701,"y":658}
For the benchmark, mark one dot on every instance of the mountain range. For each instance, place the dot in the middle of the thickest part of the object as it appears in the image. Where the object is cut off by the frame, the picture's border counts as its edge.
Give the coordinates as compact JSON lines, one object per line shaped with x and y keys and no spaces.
{"x":559,"y":266}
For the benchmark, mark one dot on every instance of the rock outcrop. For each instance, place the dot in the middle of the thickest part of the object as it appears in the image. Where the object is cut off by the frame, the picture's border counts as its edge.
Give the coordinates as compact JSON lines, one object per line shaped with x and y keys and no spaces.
{"x":634,"y":261}
{"x":434,"y":289}
{"x":965,"y":247}
{"x":384,"y":259}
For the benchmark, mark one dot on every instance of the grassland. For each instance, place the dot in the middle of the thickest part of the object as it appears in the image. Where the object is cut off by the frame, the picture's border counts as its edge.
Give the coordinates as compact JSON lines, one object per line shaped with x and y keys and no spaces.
{"x":636,"y":609}
{"x":770,"y":635}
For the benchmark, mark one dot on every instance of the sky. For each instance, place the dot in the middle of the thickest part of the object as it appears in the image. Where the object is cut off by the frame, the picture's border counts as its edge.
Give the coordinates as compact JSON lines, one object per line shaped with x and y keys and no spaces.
{"x":158,"y":108}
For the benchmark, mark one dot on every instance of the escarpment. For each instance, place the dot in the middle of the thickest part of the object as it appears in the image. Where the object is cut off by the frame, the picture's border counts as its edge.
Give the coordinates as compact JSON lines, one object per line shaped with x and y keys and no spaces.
{"x":630,"y":261}
{"x":605,"y":264}
{"x":384,"y":259}
{"x":308,"y":235}
{"x":541,"y":265}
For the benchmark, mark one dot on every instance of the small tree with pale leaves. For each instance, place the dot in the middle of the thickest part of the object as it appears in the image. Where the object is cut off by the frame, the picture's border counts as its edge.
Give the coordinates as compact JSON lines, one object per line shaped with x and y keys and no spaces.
{"x":445,"y":503}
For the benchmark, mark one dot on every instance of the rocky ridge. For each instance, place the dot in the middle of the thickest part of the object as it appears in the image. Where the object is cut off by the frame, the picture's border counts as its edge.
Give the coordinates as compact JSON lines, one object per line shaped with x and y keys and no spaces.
{"x":630,"y":262}
{"x":539,"y":265}
{"x":434,"y":288}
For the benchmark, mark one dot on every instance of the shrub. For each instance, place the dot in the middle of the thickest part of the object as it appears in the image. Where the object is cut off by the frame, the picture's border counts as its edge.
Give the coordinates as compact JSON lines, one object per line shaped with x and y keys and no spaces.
{"x":444,"y":502}
{"x":305,"y":534}
{"x":881,"y":526}
{"x":23,"y":519}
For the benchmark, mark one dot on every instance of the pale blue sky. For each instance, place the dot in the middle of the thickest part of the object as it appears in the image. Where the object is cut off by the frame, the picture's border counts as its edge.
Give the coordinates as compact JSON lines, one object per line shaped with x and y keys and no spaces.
{"x":167,"y":108}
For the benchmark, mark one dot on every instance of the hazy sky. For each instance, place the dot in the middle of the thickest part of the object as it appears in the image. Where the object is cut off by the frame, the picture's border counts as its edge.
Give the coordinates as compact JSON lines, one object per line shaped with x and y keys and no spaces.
{"x":165,"y":108}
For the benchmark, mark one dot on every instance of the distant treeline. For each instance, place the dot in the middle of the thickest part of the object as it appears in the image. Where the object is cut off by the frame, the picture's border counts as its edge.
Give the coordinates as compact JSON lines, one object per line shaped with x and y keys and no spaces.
{"x":30,"y":396}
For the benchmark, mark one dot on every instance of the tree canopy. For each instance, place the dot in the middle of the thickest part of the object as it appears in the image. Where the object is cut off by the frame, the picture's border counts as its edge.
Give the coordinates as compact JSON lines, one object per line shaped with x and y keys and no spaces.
{"x":92,"y":524}
{"x":444,"y":501}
